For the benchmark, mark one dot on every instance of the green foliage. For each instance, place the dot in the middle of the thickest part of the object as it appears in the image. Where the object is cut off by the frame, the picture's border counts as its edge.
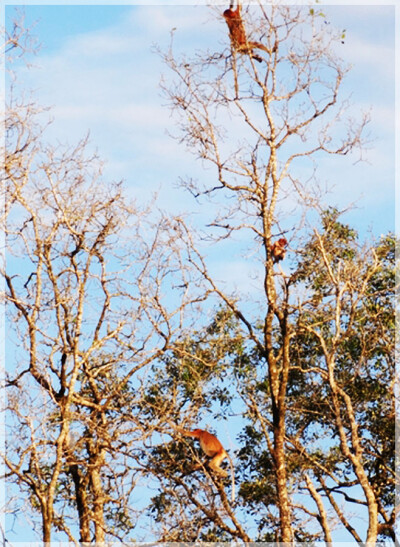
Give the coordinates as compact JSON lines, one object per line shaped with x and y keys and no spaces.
{"x":196,"y":368}
{"x":363,"y":353}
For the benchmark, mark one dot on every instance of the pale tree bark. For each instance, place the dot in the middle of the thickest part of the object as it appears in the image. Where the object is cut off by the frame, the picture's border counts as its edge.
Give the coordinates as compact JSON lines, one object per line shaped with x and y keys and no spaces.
{"x":354,"y":454}
{"x":323,"y":517}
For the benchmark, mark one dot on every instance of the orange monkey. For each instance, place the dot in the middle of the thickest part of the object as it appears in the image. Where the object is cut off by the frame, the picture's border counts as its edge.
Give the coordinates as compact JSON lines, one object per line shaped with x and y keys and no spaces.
{"x":237,"y":33}
{"x":212,"y":448}
{"x":278,"y":250}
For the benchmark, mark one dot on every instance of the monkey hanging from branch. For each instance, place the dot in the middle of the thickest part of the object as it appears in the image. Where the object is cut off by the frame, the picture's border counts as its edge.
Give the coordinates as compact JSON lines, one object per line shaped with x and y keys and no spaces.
{"x":212,"y":448}
{"x":237,"y":33}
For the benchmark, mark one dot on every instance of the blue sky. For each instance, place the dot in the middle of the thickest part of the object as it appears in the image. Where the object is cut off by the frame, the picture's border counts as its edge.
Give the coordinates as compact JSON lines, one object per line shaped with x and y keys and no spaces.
{"x":98,"y":70}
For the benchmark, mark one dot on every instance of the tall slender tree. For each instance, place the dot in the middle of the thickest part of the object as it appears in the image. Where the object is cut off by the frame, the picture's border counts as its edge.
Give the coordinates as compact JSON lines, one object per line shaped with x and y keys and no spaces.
{"x":261,"y":124}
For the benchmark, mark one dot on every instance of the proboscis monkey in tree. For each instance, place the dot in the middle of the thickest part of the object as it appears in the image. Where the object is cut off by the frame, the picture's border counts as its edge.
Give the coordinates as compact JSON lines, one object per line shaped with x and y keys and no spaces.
{"x":212,"y":448}
{"x":237,"y":33}
{"x":278,"y":249}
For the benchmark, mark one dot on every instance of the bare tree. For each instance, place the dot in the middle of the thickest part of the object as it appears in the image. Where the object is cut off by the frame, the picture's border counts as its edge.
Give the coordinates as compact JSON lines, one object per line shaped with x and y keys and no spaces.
{"x":95,"y":292}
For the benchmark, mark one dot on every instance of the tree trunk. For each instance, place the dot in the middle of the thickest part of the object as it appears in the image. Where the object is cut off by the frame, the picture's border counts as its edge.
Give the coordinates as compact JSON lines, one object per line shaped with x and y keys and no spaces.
{"x":281,"y":483}
{"x":47,"y":522}
{"x":81,"y":504}
{"x":278,"y":370}
{"x":98,"y":505}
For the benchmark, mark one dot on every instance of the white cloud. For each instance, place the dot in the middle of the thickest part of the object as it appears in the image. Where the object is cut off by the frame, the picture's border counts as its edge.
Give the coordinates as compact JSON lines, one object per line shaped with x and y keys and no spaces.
{"x":377,"y":59}
{"x":113,"y":72}
{"x":368,"y":31}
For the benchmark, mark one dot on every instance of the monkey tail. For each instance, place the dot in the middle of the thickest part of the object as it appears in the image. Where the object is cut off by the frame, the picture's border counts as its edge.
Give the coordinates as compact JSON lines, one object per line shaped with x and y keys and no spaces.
{"x":232,"y":477}
{"x":259,"y":45}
